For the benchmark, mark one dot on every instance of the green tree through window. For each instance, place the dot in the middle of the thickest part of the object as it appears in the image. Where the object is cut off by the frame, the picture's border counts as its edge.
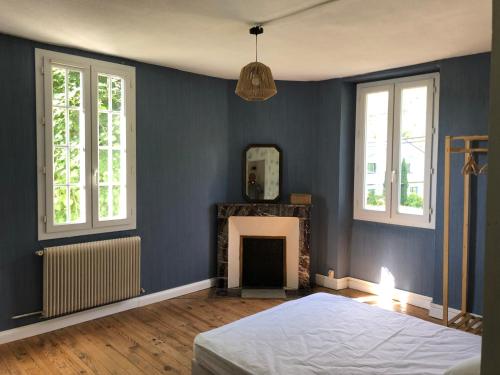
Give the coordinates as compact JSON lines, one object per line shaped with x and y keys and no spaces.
{"x":404,"y":182}
{"x":412,"y":200}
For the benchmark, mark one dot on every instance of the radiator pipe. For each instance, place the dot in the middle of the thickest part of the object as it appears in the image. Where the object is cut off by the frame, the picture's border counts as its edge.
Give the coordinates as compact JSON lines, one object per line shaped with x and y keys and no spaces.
{"x":39,"y":253}
{"x":28,"y":314}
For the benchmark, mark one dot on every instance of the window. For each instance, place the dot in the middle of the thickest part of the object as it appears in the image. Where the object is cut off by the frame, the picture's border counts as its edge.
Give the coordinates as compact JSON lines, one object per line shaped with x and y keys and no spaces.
{"x":396,"y":127}
{"x":372,"y":167}
{"x":85,"y":145}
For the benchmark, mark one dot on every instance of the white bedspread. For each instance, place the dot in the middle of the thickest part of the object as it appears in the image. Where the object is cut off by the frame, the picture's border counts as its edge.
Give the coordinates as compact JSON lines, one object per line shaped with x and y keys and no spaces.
{"x":327,"y":334}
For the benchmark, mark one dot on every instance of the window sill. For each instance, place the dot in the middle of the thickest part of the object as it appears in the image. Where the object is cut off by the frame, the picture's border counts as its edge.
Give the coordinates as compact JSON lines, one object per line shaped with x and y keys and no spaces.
{"x":85,"y":232}
{"x":397,"y":222}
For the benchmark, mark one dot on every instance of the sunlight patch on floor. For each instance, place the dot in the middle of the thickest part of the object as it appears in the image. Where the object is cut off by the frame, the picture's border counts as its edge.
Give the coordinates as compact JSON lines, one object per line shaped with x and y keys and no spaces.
{"x":385,"y":294}
{"x":386,"y":288}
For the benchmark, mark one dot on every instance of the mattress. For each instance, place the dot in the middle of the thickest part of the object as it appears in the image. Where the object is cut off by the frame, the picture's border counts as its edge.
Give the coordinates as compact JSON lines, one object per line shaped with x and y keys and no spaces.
{"x":327,"y":334}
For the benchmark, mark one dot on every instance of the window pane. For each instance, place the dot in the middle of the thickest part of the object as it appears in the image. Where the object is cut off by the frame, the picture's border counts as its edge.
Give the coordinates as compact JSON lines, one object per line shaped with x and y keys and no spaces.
{"x":103,"y":129}
{"x":413,"y":123}
{"x":103,"y":166}
{"x":74,"y":203}
{"x":74,"y":126}
{"x":58,"y":86}
{"x":116,"y":129}
{"x":74,"y":166}
{"x":116,"y":93}
{"x":103,"y":202}
{"x":60,"y":165}
{"x":68,"y":133}
{"x":74,"y":88}
{"x":60,"y":205}
{"x":116,"y":166}
{"x":112,"y":152}
{"x":376,"y":117}
{"x":116,"y":201}
{"x":372,"y":167}
{"x":103,"y":92}
{"x":59,"y":126}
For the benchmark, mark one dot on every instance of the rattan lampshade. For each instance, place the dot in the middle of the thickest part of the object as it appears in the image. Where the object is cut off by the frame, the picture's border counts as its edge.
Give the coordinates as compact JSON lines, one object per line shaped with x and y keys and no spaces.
{"x":256,"y":82}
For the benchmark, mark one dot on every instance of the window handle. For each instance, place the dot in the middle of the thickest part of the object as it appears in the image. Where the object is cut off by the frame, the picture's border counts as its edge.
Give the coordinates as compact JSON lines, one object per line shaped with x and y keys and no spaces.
{"x":393,"y":175}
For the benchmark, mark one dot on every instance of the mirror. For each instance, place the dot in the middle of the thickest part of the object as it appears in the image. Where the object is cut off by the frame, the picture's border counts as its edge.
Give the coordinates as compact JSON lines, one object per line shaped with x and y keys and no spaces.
{"x":262,"y":173}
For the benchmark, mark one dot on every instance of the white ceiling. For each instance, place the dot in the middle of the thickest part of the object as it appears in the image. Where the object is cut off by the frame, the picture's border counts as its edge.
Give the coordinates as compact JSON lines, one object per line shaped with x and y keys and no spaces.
{"x":341,"y":38}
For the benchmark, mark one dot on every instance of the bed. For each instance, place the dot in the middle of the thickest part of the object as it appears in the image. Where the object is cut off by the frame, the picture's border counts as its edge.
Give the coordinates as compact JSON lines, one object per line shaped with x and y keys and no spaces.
{"x":328,"y":334}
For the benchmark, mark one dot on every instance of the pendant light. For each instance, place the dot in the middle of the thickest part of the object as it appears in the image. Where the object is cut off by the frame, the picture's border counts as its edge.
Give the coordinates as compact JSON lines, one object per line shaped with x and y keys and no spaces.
{"x":256,"y":81}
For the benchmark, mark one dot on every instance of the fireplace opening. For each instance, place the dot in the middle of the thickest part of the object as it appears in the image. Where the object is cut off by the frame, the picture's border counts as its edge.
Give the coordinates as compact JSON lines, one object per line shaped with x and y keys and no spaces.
{"x":263,"y":262}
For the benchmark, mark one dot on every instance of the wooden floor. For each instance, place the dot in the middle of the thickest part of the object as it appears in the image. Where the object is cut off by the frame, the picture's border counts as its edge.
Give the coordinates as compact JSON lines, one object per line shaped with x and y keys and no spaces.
{"x":149,"y":340}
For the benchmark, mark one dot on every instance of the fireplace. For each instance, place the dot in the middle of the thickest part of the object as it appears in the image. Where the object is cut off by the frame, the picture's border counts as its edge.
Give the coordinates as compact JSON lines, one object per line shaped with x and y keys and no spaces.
{"x":262,"y":262}
{"x":284,"y":229}
{"x":287,"y":222}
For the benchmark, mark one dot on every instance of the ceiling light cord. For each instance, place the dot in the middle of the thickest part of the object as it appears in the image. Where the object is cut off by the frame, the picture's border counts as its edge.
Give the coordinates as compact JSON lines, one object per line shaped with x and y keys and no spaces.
{"x":255,"y":47}
{"x":256,"y":30}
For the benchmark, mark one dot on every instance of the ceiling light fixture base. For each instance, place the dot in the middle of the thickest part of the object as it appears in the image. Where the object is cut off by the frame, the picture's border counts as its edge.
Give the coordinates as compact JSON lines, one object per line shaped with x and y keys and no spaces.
{"x":256,"y":30}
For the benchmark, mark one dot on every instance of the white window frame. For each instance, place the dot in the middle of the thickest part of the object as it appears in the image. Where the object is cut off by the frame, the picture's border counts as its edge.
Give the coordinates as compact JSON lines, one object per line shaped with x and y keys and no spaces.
{"x":391,"y":214}
{"x":44,"y":60}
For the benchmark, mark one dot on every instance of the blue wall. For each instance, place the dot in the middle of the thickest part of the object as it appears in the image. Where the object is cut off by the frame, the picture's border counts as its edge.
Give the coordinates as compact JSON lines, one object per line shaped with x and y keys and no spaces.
{"x":333,"y":176}
{"x":408,"y":253}
{"x":464,"y":109}
{"x":326,"y":178}
{"x":182,"y":165}
{"x":288,"y":120}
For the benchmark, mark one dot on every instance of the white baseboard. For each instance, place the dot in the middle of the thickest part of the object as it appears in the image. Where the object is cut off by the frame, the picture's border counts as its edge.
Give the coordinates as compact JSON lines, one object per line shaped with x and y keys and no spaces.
{"x":373,"y":288}
{"x":397,"y":294}
{"x":436,"y":311}
{"x":99,"y":312}
{"x":335,"y":284}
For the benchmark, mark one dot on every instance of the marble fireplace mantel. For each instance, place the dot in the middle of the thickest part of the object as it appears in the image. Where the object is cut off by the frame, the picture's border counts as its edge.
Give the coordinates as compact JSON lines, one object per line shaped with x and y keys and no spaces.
{"x":226,"y":210}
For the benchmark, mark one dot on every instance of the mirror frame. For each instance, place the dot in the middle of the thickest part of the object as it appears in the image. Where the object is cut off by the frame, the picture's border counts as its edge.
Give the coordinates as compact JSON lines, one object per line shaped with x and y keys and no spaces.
{"x":244,"y":172}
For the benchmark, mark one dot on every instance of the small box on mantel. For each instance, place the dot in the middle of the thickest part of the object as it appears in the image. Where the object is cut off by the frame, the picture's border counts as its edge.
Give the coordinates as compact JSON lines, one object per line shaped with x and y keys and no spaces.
{"x":296,"y":198}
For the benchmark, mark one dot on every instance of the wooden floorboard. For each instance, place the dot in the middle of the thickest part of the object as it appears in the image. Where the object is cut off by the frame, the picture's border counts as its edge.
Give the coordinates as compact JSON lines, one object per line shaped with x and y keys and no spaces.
{"x":154,"y":339}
